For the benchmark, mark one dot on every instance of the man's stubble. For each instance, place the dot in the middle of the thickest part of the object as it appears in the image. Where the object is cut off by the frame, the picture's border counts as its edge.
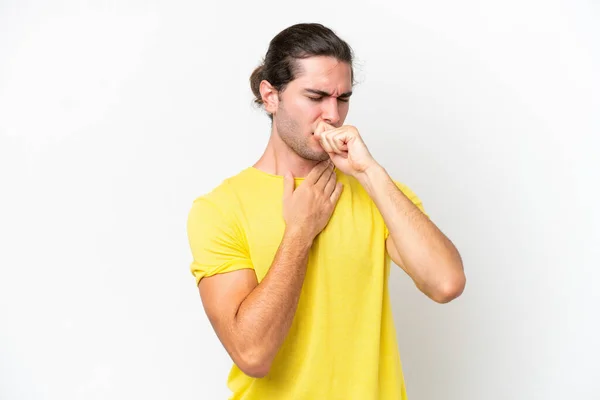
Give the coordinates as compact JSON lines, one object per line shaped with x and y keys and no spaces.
{"x":291,"y":134}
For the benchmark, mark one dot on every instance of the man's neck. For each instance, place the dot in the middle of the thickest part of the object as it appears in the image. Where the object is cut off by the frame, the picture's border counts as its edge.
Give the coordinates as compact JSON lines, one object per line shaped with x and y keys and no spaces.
{"x":278,"y":159}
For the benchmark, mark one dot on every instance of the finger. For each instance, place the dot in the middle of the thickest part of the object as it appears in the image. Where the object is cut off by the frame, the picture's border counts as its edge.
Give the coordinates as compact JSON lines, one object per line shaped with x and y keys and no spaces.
{"x":288,"y":185}
{"x":325,"y":177}
{"x":340,"y":143}
{"x":335,"y":196}
{"x":333,"y":141}
{"x":330,"y":186}
{"x":325,"y":143}
{"x":322,"y":127}
{"x":330,"y":144}
{"x":314,"y":175}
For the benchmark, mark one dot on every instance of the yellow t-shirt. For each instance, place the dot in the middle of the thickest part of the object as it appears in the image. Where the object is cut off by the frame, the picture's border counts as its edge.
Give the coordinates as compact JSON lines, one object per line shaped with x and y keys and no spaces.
{"x":342,"y":342}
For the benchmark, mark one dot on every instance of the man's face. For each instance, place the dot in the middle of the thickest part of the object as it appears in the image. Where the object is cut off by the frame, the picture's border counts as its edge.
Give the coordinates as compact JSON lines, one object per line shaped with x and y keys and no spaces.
{"x":320,"y":92}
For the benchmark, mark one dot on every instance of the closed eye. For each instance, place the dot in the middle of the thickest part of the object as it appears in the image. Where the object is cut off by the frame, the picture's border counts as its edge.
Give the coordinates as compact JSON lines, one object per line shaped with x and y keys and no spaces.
{"x":343,"y":100}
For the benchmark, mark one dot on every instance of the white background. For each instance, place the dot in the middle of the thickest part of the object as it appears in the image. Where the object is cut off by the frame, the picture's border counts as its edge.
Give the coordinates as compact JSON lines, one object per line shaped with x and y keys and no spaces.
{"x":114,"y":116}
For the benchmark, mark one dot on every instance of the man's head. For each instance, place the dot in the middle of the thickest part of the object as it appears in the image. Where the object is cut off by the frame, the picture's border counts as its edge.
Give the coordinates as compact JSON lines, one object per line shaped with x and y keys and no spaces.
{"x":306,"y":78}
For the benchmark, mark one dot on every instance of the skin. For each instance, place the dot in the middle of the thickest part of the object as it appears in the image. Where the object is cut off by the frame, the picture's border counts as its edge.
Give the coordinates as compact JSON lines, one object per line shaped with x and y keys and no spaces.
{"x":299,"y":111}
{"x":307,"y":137}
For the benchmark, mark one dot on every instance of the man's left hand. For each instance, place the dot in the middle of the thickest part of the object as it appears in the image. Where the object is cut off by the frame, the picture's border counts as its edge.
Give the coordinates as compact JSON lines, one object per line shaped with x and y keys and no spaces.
{"x":345,"y":148}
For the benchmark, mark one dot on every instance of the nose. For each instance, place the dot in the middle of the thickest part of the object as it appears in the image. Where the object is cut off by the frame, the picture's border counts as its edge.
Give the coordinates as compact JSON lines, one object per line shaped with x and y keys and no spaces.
{"x":331,"y":114}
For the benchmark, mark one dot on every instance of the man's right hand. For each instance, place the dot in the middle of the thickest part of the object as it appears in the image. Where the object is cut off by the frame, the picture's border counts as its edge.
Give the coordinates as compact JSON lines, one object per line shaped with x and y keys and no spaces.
{"x":308,"y":208}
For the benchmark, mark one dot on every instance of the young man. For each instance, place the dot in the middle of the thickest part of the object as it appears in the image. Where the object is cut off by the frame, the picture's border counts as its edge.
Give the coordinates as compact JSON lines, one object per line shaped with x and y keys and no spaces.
{"x":292,"y":255}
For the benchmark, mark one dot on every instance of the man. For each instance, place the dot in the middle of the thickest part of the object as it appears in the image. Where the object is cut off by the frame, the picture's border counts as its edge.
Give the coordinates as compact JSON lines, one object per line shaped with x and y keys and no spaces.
{"x":292,"y":255}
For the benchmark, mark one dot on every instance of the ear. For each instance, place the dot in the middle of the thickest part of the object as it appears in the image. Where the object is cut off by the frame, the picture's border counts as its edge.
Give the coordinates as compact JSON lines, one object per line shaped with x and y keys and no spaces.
{"x":270,"y":96}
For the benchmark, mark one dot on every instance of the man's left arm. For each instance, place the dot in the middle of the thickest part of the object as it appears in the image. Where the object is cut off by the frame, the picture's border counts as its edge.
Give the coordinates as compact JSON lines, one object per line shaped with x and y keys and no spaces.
{"x":415,"y":243}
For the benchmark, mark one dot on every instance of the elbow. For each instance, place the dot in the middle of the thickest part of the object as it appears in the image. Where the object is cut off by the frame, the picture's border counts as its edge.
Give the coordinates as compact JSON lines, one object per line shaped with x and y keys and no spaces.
{"x":253,"y":363}
{"x":450,"y":289}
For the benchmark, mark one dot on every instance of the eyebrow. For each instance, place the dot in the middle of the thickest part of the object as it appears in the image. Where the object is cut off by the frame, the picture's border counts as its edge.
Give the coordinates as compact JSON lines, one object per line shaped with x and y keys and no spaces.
{"x":322,"y":93}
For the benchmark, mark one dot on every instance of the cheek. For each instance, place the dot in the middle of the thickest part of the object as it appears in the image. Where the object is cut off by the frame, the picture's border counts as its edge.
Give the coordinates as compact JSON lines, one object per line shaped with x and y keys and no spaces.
{"x":307,"y":110}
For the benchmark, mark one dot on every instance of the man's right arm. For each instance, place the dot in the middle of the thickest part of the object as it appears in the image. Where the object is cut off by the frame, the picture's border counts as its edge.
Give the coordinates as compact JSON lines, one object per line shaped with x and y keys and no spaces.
{"x":251,"y":319}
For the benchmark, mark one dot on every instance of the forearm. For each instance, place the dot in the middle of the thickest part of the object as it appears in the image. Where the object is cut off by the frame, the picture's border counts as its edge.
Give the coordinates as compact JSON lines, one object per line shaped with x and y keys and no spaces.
{"x":265,"y":316}
{"x":427,"y":255}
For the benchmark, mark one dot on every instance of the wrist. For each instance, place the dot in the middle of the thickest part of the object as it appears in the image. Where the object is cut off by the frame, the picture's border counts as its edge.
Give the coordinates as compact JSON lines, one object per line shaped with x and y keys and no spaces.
{"x":298,"y":235}
{"x":370,"y":176}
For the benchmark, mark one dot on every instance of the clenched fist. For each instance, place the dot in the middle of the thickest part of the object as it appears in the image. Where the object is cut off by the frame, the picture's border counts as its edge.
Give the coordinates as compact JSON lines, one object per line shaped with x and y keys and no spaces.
{"x":345,"y":148}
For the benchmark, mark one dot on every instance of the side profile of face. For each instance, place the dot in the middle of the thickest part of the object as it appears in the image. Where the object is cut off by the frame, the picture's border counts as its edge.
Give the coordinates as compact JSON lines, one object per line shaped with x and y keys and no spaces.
{"x":320,"y":92}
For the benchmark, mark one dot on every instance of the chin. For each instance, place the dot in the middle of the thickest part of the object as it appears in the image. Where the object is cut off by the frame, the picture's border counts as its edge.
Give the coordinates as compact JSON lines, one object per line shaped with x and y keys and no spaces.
{"x":313,"y":154}
{"x":320,"y":156}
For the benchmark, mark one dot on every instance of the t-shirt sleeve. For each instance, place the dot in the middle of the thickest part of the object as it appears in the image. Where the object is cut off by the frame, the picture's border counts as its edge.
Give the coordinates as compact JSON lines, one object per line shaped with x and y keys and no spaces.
{"x":215,"y":240}
{"x":412,"y":197}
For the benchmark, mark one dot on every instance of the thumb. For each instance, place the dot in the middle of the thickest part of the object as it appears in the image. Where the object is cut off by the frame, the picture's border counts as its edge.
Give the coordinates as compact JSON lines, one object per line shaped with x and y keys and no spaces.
{"x":288,"y":184}
{"x":322,"y":126}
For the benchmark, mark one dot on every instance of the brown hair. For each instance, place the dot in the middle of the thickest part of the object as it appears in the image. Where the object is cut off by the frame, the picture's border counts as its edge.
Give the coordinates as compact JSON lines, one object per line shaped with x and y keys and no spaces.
{"x":299,"y":41}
